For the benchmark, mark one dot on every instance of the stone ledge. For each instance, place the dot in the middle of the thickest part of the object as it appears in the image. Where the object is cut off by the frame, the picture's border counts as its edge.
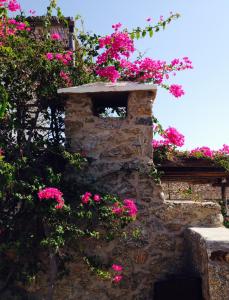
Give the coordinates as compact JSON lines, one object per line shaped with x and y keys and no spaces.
{"x":99,"y":87}
{"x":192,"y":203}
{"x":214,"y":238}
{"x":209,"y":258}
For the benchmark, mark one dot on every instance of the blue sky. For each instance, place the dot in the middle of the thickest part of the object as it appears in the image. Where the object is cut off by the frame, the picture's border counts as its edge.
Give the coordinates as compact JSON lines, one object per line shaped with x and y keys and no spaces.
{"x":201,"y":33}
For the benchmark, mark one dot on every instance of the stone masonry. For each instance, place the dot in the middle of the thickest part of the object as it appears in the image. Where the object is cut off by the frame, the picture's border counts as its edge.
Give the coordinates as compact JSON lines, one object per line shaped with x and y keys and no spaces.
{"x":209,"y":258}
{"x":119,"y":152}
{"x":189,"y":191}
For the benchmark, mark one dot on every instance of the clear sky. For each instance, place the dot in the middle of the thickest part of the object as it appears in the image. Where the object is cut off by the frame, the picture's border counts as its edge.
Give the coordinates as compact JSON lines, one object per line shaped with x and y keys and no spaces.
{"x":202,"y":34}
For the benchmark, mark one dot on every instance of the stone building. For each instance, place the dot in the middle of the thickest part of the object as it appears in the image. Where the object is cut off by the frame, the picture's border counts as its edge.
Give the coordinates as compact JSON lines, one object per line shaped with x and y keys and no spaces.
{"x":112,"y":125}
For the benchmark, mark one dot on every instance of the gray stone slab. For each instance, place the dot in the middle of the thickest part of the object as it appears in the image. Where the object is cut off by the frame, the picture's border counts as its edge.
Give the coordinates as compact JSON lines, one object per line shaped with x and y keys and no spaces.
{"x":216,"y":237}
{"x":99,"y":87}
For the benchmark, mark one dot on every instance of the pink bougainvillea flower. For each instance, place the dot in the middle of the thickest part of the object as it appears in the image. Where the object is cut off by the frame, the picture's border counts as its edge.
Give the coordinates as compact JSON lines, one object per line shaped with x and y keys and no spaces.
{"x":60,"y":204}
{"x":32,"y":12}
{"x":21,"y":26}
{"x":130,"y":207}
{"x":149,"y":19}
{"x":224,"y":150}
{"x":96,"y":198}
{"x":65,"y":61}
{"x":52,"y":193}
{"x":160,"y":143}
{"x":176,"y":90}
{"x":116,"y":26}
{"x":116,"y":209}
{"x":49,"y":193}
{"x":55,"y":36}
{"x":13,"y":5}
{"x":117,"y":268}
{"x":49,"y":56}
{"x":116,"y":45}
{"x":68,"y":56}
{"x":66,"y":77}
{"x":109,"y":72}
{"x":12,"y":21}
{"x":59,"y":56}
{"x":117,"y":278}
{"x":86,"y":197}
{"x":204,"y":151}
{"x":172,"y":136}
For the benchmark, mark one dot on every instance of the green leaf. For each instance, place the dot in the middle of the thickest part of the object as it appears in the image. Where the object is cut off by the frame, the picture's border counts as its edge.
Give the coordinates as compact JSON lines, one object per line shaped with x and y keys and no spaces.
{"x":132,"y":35}
{"x":143,"y":33}
{"x":138,"y":34}
{"x":151,"y":32}
{"x":59,"y":13}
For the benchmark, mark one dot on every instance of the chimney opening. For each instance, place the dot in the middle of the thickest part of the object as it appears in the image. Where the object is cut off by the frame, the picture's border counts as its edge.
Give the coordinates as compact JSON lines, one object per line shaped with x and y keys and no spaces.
{"x":110,"y":105}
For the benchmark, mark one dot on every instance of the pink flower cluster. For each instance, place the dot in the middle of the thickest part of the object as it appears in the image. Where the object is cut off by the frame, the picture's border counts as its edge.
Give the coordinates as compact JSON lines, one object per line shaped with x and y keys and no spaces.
{"x":87,"y":197}
{"x":171,"y":137}
{"x":32,"y":12}
{"x":224,"y":150}
{"x":176,"y":90}
{"x":128,"y":207}
{"x":19,"y":25}
{"x":118,"y":277}
{"x":117,"y":26}
{"x":66,"y":77}
{"x":11,"y":27}
{"x":12,"y":5}
{"x":113,"y":63}
{"x":174,"y":137}
{"x":109,"y":72}
{"x":52,"y":193}
{"x":157,"y":71}
{"x":55,"y":36}
{"x":209,"y":153}
{"x":204,"y":151}
{"x":64,"y":58}
{"x":116,"y":45}
{"x":147,"y":69}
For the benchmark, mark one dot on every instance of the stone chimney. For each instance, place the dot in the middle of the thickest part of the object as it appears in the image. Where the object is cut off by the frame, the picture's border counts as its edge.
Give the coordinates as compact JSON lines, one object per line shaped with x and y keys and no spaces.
{"x":111,"y":124}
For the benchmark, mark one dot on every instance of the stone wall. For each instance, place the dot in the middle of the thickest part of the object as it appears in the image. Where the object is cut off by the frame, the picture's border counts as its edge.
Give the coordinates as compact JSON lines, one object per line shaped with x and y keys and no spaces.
{"x":194,"y":192}
{"x":120,"y":159}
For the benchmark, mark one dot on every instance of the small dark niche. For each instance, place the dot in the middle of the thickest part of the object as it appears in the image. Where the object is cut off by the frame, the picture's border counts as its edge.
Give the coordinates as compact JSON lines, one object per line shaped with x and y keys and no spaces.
{"x":178,"y":288}
{"x":110,"y":105}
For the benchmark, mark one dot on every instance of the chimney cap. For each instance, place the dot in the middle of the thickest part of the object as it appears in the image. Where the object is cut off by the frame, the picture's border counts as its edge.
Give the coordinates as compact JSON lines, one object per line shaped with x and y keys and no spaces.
{"x":103,"y":87}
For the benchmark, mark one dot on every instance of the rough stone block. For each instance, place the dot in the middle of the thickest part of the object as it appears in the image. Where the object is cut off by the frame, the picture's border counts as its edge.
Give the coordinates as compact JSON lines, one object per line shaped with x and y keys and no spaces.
{"x":209,"y":252}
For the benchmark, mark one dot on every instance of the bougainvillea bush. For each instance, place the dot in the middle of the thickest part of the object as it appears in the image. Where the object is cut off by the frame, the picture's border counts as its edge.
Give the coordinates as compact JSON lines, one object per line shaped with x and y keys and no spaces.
{"x":167,"y":143}
{"x":41,"y":214}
